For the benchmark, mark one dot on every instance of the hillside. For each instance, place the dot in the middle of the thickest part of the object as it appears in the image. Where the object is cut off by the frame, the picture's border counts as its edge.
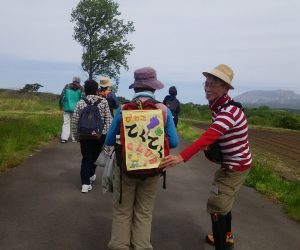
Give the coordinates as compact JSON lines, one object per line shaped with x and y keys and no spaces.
{"x":285,"y":99}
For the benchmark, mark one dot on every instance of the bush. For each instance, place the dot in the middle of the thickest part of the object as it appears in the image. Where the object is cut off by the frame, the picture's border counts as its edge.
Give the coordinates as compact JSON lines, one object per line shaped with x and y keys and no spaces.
{"x":288,"y":121}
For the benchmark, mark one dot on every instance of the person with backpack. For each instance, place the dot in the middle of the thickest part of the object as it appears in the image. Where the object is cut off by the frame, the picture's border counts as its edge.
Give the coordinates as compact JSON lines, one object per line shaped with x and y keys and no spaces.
{"x":230,"y":129}
{"x":172,"y":103}
{"x":146,"y":132}
{"x":110,"y":96}
{"x":91,"y":120}
{"x":70,"y":95}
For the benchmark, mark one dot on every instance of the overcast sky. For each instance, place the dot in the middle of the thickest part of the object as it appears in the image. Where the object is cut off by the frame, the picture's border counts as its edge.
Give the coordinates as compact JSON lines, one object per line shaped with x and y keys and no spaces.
{"x":259,"y":39}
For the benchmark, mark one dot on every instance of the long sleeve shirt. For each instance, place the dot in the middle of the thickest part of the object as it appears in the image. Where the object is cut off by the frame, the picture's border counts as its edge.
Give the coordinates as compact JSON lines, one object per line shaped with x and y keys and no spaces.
{"x":229,"y":126}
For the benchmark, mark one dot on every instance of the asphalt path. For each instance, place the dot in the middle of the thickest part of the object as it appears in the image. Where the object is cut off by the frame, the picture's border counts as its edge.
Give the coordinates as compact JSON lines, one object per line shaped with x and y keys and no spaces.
{"x":41,"y":207}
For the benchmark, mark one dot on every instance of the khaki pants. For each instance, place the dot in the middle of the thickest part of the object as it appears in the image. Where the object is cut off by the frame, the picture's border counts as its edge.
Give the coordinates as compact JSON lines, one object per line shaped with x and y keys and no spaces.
{"x":131,"y":225}
{"x":224,"y":189}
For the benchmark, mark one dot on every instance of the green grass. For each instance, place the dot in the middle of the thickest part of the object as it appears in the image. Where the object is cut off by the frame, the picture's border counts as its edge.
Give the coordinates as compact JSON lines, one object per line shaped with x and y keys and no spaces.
{"x":28,"y":102}
{"x":21,"y":134}
{"x":188,"y":132}
{"x":264,"y":180}
{"x":27,"y":121}
{"x":261,"y":177}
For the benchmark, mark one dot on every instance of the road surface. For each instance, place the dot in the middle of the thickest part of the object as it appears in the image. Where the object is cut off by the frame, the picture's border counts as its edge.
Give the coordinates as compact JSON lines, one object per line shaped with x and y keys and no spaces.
{"x":42,"y":208}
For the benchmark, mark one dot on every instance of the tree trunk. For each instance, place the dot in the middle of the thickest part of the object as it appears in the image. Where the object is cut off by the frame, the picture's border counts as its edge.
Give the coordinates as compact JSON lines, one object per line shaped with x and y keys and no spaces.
{"x":90,"y":60}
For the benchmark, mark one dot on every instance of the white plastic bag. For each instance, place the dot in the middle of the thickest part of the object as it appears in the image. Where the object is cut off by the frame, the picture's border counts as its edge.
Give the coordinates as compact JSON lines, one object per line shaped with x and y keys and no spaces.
{"x":108,"y":172}
{"x":104,"y":156}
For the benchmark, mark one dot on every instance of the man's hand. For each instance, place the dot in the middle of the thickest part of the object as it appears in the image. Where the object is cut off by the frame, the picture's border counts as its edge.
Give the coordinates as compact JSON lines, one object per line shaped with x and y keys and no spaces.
{"x":170,"y":161}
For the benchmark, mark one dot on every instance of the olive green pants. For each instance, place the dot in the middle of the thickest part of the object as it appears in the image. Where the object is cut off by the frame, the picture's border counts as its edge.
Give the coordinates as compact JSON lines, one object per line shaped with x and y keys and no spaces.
{"x":132,"y":219}
{"x":224,"y":189}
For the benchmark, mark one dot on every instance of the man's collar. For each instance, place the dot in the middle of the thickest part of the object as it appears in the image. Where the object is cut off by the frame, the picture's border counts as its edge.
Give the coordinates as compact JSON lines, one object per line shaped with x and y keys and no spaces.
{"x":217,"y":104}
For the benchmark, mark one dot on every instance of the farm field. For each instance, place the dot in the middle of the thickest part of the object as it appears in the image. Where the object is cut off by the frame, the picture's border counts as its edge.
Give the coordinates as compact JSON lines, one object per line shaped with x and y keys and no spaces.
{"x":284,"y":145}
{"x":279,"y":145}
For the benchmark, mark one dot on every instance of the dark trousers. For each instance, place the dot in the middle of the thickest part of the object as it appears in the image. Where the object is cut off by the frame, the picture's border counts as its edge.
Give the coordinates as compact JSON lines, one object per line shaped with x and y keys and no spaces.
{"x":221,"y":224}
{"x":175,"y":119}
{"x":90,"y":150}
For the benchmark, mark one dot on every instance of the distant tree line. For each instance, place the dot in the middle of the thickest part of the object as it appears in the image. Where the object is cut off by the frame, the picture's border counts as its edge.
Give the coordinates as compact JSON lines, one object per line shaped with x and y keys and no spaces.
{"x":262,"y":116}
{"x":31,"y":88}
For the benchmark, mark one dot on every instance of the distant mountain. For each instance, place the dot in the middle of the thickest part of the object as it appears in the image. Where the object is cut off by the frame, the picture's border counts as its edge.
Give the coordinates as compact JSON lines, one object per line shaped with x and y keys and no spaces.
{"x":284,"y":99}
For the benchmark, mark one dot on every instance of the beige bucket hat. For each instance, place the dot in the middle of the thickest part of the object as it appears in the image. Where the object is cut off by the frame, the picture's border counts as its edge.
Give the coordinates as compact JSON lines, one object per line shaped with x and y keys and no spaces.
{"x":105,"y":82}
{"x":223,"y":72}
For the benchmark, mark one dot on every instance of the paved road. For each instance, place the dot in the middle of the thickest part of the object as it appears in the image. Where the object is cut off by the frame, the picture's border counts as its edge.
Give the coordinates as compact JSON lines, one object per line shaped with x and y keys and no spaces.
{"x":41,"y":207}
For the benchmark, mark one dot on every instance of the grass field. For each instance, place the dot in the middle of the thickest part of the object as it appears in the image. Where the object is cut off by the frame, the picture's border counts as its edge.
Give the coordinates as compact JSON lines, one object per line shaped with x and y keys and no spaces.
{"x":26,"y":122}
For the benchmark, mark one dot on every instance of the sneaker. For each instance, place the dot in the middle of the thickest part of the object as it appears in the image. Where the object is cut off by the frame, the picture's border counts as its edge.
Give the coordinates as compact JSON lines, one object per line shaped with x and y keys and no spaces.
{"x":73,"y":140}
{"x":86,"y":188}
{"x":229,"y":239}
{"x":63,"y":141}
{"x":93,"y":178}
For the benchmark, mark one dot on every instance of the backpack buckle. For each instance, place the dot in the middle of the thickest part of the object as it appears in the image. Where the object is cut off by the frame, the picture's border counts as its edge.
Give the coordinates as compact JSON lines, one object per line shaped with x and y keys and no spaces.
{"x":139,"y":104}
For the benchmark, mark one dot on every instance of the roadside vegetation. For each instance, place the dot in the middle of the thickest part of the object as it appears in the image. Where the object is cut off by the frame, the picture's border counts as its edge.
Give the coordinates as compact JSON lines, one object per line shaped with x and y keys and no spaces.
{"x":27,"y":120}
{"x":261,"y":116}
{"x":262,"y":177}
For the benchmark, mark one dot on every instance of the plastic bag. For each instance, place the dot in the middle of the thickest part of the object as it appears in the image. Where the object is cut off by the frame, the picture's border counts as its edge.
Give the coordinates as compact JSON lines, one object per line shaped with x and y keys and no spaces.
{"x":104,"y":156}
{"x":108,"y":172}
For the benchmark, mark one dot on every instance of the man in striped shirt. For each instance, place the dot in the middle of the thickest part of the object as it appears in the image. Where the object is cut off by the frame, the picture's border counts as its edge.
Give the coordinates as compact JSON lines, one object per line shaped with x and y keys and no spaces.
{"x":229,"y":127}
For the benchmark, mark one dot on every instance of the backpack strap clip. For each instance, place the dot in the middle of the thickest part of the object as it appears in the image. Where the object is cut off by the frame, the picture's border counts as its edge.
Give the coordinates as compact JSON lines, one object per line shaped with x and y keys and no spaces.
{"x":139,"y":103}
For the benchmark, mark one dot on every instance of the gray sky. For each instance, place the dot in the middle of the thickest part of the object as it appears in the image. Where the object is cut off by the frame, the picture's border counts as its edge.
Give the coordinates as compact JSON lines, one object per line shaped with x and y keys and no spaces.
{"x":259,"y":39}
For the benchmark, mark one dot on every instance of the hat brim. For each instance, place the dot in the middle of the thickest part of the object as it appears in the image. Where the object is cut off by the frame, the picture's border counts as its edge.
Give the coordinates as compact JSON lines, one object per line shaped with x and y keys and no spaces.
{"x":154,"y":84}
{"x":220,"y":76}
{"x":107,"y":84}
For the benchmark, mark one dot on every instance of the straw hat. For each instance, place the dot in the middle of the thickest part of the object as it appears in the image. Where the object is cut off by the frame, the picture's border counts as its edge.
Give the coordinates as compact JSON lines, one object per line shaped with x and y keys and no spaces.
{"x":223,"y":72}
{"x":146,"y":78}
{"x":105,"y":82}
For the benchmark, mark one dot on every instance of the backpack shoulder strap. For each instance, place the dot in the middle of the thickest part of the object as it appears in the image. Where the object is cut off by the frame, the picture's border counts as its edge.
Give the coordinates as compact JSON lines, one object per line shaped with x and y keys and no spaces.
{"x":126,"y":103}
{"x":232,"y":102}
{"x":87,"y":101}
{"x":97,"y":102}
{"x":150,"y":99}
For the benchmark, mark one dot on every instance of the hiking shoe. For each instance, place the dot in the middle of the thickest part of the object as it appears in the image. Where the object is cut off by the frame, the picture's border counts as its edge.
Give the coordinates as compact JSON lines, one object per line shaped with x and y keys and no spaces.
{"x":229,"y":239}
{"x":63,"y":141}
{"x":93,"y":178}
{"x":86,"y":188}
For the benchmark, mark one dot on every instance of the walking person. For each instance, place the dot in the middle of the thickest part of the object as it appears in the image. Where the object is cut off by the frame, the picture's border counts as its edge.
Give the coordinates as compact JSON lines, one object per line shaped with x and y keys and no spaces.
{"x":134,"y":195}
{"x":90,"y":147}
{"x":229,"y":127}
{"x":70,"y":95}
{"x":110,"y":96}
{"x":173,"y":104}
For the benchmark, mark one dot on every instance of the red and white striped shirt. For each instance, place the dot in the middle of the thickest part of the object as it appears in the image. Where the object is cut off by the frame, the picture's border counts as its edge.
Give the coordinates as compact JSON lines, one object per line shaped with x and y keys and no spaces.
{"x":229,"y":126}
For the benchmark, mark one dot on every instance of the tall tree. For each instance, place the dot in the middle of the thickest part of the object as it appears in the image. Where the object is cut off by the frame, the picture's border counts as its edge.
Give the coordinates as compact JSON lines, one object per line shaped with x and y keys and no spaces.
{"x":103,"y":37}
